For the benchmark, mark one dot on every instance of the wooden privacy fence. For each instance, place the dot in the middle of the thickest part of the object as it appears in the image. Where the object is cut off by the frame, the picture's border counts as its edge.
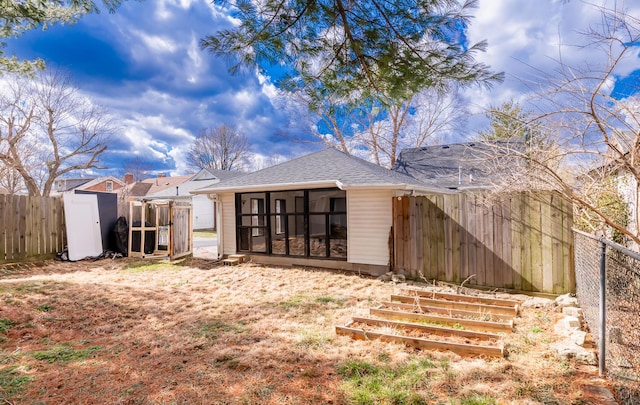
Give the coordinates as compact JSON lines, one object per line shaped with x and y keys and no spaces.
{"x":520,"y":241}
{"x":30,"y":227}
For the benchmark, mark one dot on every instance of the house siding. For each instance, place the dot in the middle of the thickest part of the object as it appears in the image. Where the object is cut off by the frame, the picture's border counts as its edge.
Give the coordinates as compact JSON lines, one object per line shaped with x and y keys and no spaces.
{"x":628,"y":187}
{"x":203,"y":212}
{"x":228,"y":225}
{"x":102,"y":186}
{"x":369,"y":220}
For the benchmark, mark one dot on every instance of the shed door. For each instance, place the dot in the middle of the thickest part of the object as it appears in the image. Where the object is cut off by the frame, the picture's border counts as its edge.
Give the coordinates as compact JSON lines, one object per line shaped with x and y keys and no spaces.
{"x":181,"y":230}
{"x":83,"y":226}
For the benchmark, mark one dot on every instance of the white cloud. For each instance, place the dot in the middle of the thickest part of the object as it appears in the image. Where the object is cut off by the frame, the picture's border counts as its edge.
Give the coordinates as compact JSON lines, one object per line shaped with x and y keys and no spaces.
{"x":268,"y":88}
{"x":526,"y":40}
{"x":144,"y":142}
{"x":156,"y":43}
{"x":179,"y":155}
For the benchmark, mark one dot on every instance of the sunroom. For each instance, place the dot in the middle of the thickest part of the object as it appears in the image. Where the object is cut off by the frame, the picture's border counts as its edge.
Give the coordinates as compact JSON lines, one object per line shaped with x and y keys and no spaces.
{"x":327,"y":209}
{"x":299,"y":223}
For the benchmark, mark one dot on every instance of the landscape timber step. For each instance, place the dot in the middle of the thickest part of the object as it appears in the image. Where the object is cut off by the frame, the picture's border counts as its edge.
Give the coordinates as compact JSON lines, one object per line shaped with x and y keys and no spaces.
{"x":472,"y":324}
{"x":459,"y":348}
{"x":462,"y":298}
{"x":435,"y":330}
{"x":230,"y":262}
{"x":464,"y":306}
{"x":473,"y":331}
{"x":241,"y":258}
{"x":447,"y":311}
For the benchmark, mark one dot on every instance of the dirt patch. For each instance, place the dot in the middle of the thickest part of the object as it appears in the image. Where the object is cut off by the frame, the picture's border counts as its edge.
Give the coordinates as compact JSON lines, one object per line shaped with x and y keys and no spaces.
{"x":146,"y":332}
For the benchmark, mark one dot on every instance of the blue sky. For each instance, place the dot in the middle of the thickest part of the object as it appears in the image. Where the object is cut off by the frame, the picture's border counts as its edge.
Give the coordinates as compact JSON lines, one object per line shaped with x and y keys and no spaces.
{"x":145,"y":65}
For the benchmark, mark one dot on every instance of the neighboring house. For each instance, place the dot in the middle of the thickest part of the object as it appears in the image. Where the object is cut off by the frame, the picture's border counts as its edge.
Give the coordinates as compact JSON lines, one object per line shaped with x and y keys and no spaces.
{"x":106,"y":184}
{"x":615,"y":167}
{"x":161,"y":184}
{"x":203,"y":206}
{"x":461,"y":166}
{"x":325,"y":209}
{"x":61,"y":186}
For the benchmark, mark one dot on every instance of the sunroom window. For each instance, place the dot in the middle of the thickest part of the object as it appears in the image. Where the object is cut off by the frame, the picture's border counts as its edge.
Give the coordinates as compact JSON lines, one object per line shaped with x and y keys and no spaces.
{"x":301,"y":223}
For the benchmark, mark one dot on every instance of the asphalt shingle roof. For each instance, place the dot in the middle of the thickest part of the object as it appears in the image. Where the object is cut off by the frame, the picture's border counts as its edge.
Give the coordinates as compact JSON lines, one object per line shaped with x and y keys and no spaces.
{"x":460,"y":165}
{"x":328,"y":165}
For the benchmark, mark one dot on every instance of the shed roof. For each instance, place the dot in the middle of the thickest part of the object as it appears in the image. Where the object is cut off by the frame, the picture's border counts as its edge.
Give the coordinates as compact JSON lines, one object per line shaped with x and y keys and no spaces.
{"x":326,"y":168}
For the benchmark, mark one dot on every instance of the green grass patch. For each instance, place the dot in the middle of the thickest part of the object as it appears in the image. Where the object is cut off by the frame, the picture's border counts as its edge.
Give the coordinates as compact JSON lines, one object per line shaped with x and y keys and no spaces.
{"x":205,"y":234}
{"x":64,"y":354}
{"x":12,"y":381}
{"x":6,"y":324}
{"x":331,"y":300}
{"x":147,"y":266}
{"x":478,"y":400}
{"x":213,"y":329}
{"x":406,"y":383}
{"x":313,"y":340}
{"x":296,"y":301}
{"x":44,"y":308}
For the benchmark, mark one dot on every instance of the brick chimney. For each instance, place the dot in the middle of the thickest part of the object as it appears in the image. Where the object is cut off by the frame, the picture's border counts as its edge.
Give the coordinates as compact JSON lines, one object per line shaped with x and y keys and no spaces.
{"x":128,"y":178}
{"x":161,"y":175}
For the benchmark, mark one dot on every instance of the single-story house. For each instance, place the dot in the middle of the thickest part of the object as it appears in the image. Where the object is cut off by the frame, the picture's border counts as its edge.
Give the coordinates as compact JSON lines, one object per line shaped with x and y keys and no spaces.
{"x":324,"y":209}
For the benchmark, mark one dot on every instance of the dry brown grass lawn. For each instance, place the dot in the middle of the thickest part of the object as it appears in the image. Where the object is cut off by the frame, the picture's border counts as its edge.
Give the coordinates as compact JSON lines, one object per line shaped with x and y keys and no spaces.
{"x":144,"y":332}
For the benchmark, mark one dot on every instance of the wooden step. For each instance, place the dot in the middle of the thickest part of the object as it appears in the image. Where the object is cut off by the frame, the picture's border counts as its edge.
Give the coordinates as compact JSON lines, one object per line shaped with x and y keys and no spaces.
{"x":465,"y":306}
{"x":436,"y":330}
{"x":472,"y":324}
{"x":462,"y":298}
{"x":447,"y":311}
{"x":429,"y":344}
{"x":239,"y":257}
{"x":230,"y":262}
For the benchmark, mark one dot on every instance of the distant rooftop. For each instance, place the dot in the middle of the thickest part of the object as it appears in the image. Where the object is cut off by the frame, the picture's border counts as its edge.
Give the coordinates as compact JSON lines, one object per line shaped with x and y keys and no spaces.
{"x":456,"y":166}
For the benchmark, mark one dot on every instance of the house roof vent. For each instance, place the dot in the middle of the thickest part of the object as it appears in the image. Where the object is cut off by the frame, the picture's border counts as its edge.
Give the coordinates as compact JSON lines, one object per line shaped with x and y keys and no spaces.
{"x":445,"y":146}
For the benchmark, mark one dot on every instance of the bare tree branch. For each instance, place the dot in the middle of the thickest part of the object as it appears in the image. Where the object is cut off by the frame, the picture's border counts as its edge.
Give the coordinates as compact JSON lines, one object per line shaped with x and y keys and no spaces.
{"x":220,"y":148}
{"x":48,"y":129}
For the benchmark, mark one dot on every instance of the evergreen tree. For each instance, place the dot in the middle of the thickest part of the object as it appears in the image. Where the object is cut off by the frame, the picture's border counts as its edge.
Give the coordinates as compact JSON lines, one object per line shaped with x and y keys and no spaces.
{"x":18,"y":16}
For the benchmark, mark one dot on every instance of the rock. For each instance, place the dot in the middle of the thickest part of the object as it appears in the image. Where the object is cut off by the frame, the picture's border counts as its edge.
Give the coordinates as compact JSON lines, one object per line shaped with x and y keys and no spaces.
{"x":573,"y":311}
{"x":572,"y":322}
{"x":385,"y":277}
{"x":566,"y":326}
{"x":566,"y":300}
{"x":578,"y":337}
{"x":537,"y":302}
{"x":398,"y":278}
{"x":569,"y":350}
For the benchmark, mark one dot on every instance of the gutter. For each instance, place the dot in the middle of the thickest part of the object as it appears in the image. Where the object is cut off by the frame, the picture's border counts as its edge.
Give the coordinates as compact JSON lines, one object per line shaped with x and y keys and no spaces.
{"x":403,"y":187}
{"x":271,"y":187}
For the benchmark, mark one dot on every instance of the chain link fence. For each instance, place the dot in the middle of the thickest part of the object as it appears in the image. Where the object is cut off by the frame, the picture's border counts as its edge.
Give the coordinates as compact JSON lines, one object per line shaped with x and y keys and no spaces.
{"x":622,"y":304}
